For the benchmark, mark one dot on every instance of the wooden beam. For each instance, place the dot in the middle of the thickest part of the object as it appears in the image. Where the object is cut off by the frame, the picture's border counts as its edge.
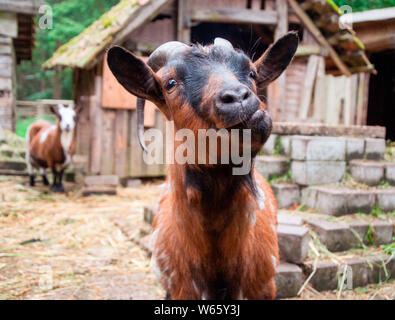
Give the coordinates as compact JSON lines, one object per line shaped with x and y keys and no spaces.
{"x":307,"y":50}
{"x":308,"y":86}
{"x":183,"y":21}
{"x":281,"y":30}
{"x":234,"y":15}
{"x":282,"y":13}
{"x":309,"y":24}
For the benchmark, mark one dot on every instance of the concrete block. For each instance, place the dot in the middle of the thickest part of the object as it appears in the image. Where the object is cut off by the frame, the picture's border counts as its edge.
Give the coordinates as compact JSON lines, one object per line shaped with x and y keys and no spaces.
{"x":289,"y":279}
{"x":285,"y":145}
{"x":382,"y":232}
{"x":309,"y":197}
{"x":270,"y":166}
{"x":286,"y":194}
{"x":103,"y":180}
{"x":133,"y":183}
{"x":325,"y":276}
{"x":367,"y":172}
{"x":335,"y":236}
{"x":339,"y":201}
{"x":390,"y":172}
{"x":364,"y":271}
{"x":293,"y":243}
{"x":270,"y":144}
{"x":18,"y":165}
{"x":317,"y":172}
{"x":374,"y":148}
{"x":359,"y":228}
{"x":287,"y":219}
{"x":355,"y":148}
{"x":6,"y":151}
{"x":318,"y":148}
{"x":386,"y":199}
{"x":98,"y":190}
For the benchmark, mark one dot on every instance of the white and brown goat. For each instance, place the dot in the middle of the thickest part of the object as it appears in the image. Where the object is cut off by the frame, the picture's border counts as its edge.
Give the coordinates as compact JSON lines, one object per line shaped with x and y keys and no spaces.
{"x":51,"y":146}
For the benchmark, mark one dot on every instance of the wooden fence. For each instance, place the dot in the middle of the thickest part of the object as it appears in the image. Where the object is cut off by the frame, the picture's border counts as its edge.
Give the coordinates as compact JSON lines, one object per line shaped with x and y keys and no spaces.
{"x":38,"y":109}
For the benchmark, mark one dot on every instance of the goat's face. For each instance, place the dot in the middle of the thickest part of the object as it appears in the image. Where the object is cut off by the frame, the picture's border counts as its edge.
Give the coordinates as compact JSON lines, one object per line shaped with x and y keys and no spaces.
{"x":66,"y":117}
{"x":206,"y":87}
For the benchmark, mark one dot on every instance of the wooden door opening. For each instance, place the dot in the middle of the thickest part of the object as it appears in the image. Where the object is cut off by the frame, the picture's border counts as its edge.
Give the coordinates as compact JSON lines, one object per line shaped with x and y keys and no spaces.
{"x":381,"y":105}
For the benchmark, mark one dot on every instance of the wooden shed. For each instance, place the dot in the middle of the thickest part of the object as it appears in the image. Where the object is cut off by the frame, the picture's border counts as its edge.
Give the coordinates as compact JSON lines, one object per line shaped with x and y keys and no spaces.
{"x":376,"y":28}
{"x":16,"y":44}
{"x":106,"y":133}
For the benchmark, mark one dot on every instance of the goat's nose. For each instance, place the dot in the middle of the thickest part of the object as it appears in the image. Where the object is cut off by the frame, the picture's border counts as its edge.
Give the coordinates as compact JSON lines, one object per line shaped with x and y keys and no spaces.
{"x":67,"y":127}
{"x":233,"y":95}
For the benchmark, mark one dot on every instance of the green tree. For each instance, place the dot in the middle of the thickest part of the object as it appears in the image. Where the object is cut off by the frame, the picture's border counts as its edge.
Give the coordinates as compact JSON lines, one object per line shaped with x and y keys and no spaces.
{"x":362,"y":5}
{"x":70,"y":17}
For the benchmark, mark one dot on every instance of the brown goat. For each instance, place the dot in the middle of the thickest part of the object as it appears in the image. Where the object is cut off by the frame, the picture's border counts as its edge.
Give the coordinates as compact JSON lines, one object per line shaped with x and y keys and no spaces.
{"x":215,"y":232}
{"x":51,"y":146}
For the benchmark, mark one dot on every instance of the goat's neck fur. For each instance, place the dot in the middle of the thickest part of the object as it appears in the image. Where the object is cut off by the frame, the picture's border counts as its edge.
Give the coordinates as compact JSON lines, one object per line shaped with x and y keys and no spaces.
{"x":64,"y":140}
{"x":213,"y":195}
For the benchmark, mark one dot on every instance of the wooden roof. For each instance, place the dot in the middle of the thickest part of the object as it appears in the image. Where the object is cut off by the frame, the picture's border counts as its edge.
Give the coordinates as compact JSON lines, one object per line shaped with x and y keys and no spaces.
{"x":84,"y":50}
{"x":375,"y":28}
{"x":21,"y":6}
{"x":342,"y":39}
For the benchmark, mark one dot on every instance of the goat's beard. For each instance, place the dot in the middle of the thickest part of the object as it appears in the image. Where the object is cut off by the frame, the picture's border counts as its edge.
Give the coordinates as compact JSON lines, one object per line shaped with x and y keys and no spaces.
{"x":260,"y":125}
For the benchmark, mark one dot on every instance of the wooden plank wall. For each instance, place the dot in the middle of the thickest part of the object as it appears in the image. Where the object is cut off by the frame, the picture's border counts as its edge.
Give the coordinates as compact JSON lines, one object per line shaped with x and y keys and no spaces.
{"x":332,"y":100}
{"x":108,"y":137}
{"x":7,"y":82}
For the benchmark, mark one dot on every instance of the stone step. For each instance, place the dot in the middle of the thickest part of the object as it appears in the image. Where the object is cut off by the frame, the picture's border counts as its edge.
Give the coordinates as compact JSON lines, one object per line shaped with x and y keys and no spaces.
{"x":289,"y":279}
{"x":358,"y":271}
{"x":286,"y":195}
{"x":99,"y":190}
{"x":372,"y":172}
{"x":339,"y":236}
{"x":12,"y":164}
{"x":339,"y":200}
{"x":272,"y":166}
{"x":293,"y":243}
{"x":102,"y":180}
{"x":6,"y":172}
{"x":344,"y":233}
{"x":317,"y":172}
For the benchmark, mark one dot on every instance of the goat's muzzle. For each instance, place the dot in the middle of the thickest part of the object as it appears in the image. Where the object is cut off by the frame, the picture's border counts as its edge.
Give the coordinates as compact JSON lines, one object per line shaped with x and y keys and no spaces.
{"x":235,"y":105}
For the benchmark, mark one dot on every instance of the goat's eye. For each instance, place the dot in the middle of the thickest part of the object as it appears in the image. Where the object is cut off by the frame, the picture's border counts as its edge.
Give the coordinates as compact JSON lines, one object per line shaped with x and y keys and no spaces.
{"x":171,"y":84}
{"x":253,"y":75}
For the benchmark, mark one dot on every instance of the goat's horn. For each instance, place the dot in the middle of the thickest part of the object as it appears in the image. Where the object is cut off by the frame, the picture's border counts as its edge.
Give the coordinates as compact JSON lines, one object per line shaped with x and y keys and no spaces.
{"x":223,"y":42}
{"x":140,"y":122}
{"x":156,"y":60}
{"x":159,"y":57}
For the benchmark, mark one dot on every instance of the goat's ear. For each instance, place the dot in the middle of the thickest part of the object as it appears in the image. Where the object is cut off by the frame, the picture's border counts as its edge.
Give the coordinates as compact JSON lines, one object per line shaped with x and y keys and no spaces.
{"x":54,"y":110}
{"x":134,"y":74}
{"x":276,"y":58}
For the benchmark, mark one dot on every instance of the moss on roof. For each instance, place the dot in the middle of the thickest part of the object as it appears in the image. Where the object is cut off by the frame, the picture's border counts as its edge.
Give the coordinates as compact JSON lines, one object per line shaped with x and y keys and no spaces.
{"x":81,"y":51}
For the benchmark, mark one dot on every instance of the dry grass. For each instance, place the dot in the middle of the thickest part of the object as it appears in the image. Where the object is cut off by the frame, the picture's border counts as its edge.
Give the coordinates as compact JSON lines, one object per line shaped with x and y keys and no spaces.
{"x":75,"y":241}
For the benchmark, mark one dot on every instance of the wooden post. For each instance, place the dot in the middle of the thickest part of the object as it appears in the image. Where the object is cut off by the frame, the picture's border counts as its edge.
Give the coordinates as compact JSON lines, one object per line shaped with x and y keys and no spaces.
{"x":183,"y":21}
{"x":95,"y":115}
{"x":308,"y":86}
{"x":277,"y":90}
{"x":320,"y":91}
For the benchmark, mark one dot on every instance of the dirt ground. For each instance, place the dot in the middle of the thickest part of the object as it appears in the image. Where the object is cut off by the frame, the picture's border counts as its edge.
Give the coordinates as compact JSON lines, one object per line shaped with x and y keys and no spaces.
{"x":72,"y":247}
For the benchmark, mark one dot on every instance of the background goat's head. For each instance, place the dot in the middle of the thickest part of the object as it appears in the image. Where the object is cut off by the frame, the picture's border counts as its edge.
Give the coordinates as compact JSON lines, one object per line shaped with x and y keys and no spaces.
{"x":205,"y":87}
